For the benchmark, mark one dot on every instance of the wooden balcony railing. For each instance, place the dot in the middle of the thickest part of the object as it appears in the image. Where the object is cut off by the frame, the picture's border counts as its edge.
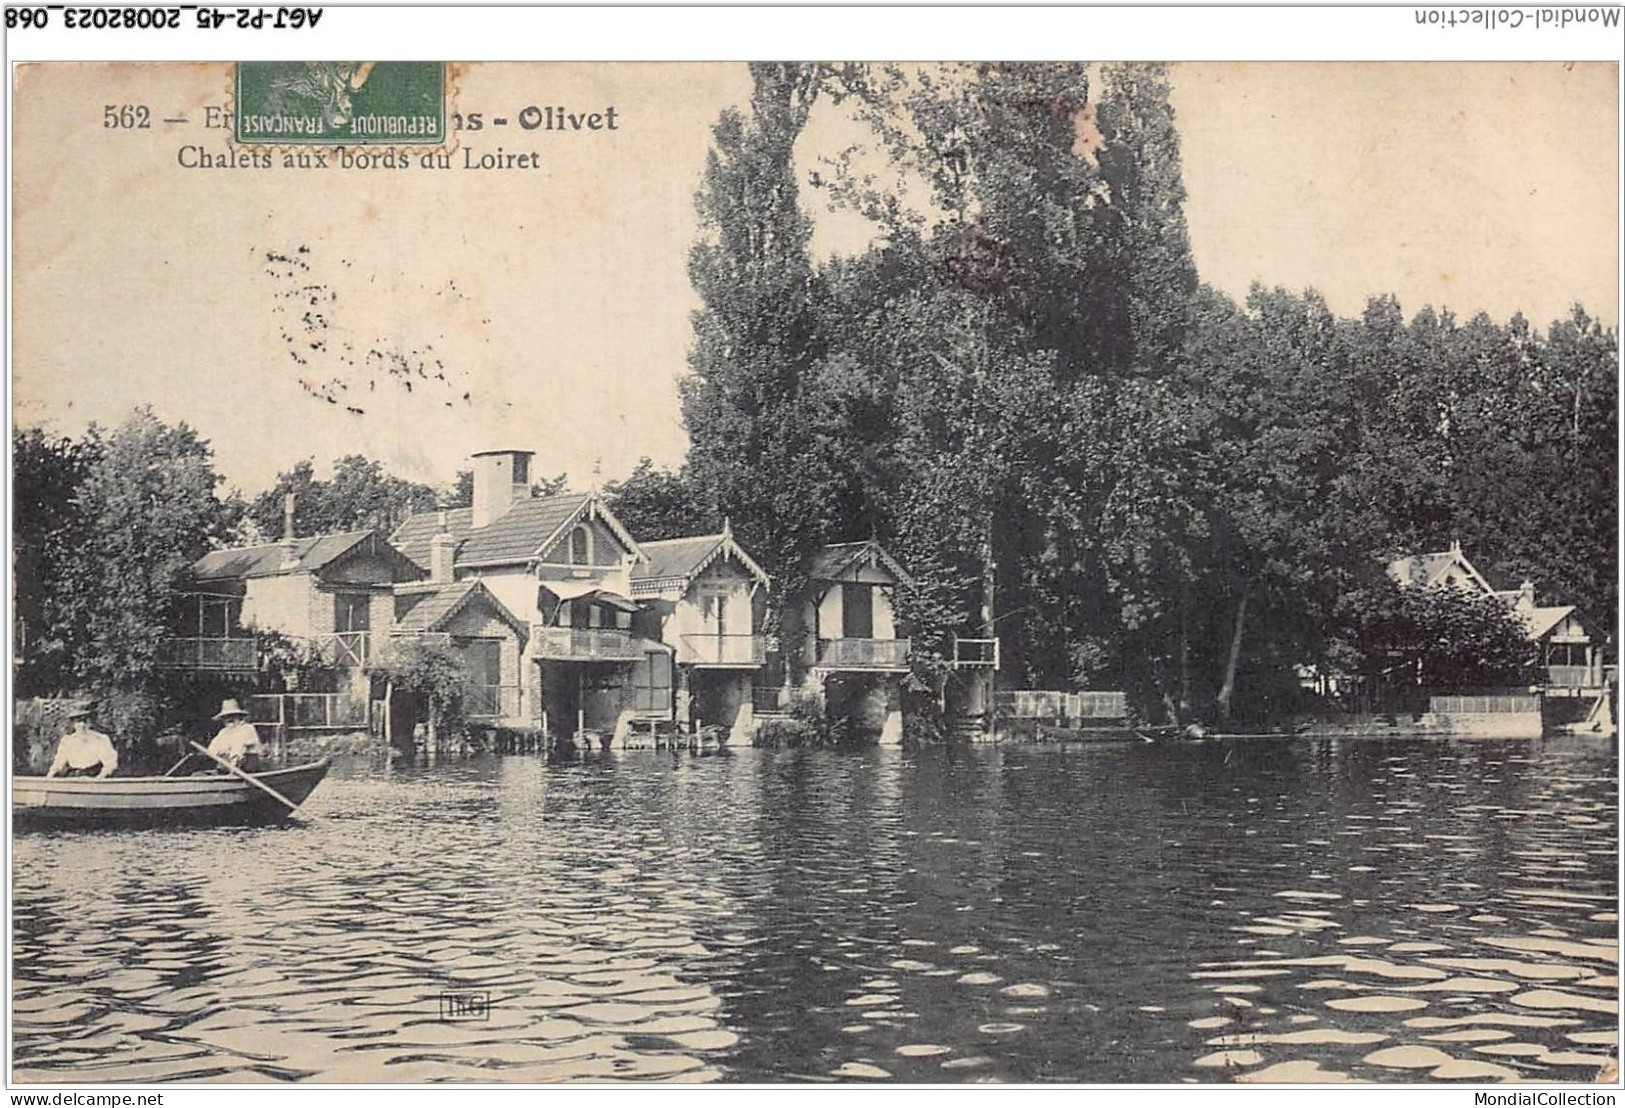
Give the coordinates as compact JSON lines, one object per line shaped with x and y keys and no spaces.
{"x":344,"y":649}
{"x":237,"y":654}
{"x":863,"y":653}
{"x":740,"y":651}
{"x":585,"y":644}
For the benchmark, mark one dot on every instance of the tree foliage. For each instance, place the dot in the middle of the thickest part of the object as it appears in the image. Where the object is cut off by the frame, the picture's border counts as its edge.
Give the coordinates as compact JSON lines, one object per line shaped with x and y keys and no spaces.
{"x":659,"y":504}
{"x":360,"y":496}
{"x":148,"y":498}
{"x":1021,"y":388}
{"x":1436,"y":638}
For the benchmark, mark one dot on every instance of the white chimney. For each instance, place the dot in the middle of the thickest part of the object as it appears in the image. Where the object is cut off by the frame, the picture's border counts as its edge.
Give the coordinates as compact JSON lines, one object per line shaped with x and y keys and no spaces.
{"x":500,"y":478}
{"x":442,"y":553}
{"x":289,"y":559}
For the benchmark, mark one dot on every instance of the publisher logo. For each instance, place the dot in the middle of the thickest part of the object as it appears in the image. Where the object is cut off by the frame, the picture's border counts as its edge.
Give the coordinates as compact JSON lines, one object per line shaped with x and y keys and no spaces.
{"x":465,"y":1006}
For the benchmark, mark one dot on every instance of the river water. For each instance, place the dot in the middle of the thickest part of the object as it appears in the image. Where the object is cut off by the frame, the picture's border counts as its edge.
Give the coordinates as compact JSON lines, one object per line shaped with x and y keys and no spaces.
{"x":1304,"y":910}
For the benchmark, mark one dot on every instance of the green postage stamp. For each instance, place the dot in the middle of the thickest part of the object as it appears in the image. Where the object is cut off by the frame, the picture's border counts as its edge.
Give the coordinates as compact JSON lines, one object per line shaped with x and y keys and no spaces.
{"x":340,"y":103}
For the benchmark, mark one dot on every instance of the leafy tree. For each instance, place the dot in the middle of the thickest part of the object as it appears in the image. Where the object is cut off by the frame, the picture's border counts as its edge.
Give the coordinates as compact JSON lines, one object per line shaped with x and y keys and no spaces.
{"x":1435,"y":638}
{"x":433,"y":672}
{"x":765,"y":442}
{"x":361,"y":495}
{"x":658,"y":504}
{"x":148,"y":494}
{"x":49,"y":524}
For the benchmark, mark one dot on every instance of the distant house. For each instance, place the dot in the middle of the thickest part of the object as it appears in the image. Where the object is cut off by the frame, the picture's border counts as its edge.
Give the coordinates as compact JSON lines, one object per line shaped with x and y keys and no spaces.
{"x":705,"y":598}
{"x":562,"y":565}
{"x":851,"y":650}
{"x":331,"y":594}
{"x":1564,"y":648}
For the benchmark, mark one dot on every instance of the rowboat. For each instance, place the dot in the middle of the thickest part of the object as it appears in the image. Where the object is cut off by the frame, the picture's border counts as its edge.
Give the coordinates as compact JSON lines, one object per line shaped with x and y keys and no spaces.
{"x":203,"y":800}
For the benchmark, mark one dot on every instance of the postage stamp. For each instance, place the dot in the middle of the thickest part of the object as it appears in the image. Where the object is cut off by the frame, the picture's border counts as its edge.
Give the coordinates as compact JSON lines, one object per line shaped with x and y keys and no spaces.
{"x":340,"y":103}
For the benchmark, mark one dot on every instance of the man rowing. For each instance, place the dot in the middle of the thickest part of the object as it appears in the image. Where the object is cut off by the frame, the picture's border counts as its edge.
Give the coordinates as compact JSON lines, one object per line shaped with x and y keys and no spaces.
{"x":237,"y":741}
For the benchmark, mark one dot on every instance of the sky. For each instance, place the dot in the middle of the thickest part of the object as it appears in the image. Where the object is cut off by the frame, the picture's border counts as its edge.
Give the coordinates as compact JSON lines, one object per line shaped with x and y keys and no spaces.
{"x":439,"y":312}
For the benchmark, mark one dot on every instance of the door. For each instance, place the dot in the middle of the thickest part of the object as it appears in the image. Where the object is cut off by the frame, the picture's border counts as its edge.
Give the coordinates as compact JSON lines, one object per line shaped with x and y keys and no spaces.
{"x":483,"y":657}
{"x":857,"y":612}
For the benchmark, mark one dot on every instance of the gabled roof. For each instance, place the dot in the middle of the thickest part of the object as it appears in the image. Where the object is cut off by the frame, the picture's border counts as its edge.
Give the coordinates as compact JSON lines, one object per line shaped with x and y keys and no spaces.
{"x":521,"y":534}
{"x":675,"y":563}
{"x":272,"y":560}
{"x":1427,"y":570}
{"x":443,"y":603}
{"x":412,"y":537}
{"x":835,"y":561}
{"x":1542,"y":621}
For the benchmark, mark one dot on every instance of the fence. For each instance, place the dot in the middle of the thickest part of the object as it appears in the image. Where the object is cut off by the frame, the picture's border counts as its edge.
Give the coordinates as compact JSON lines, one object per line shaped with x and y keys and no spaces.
{"x":309,"y":711}
{"x":1483,"y":705}
{"x":768,"y":700}
{"x":1057,"y":705}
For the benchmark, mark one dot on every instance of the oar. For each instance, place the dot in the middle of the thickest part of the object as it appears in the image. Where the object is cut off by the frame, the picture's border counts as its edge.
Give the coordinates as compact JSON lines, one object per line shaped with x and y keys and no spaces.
{"x":252,"y":780}
{"x":184,"y":759}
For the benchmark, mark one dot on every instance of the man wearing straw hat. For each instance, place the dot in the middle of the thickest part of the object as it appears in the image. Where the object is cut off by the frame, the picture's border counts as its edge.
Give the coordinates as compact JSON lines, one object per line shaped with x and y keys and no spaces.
{"x":82,"y":750}
{"x":238,"y":742}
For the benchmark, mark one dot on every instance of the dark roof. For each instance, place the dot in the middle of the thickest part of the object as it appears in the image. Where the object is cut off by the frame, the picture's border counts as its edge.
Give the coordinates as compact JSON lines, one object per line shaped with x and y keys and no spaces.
{"x":684,"y":559}
{"x":676,"y":557}
{"x":429,"y":613}
{"x":309,"y":555}
{"x":412,"y":537}
{"x":830,"y":563}
{"x":521,"y":531}
{"x":517,"y":535}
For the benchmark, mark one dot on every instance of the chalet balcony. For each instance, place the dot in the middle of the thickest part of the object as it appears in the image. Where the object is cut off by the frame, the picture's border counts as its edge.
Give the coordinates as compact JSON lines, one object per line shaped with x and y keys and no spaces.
{"x":344,"y":649}
{"x":723,"y":651}
{"x":225,"y":654}
{"x":880,"y":654}
{"x":585,"y":644}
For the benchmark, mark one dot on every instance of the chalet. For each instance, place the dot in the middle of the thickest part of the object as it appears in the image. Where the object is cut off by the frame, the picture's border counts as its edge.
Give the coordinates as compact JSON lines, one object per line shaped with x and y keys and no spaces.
{"x":563,"y":566}
{"x":491,"y":640}
{"x":1565,"y":650}
{"x":850,"y":649}
{"x":705,"y":598}
{"x":330,"y":595}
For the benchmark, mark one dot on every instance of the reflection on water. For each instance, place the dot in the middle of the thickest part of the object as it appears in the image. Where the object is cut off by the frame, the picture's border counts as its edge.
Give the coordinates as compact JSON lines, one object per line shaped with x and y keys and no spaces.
{"x":1246,"y":911}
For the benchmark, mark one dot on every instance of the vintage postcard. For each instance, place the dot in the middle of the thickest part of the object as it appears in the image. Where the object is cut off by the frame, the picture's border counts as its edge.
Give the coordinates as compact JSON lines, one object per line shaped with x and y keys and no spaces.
{"x":1098,"y":573}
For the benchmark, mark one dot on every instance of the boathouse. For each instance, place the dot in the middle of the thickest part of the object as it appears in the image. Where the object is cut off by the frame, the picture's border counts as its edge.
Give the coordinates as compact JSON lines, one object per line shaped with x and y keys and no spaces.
{"x":705,"y":598}
{"x":562,"y":565}
{"x":850,"y":650}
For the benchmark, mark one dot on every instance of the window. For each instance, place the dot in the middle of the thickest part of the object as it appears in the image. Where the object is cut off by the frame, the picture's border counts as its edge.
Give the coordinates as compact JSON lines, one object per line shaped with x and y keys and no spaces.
{"x":581,"y":546}
{"x":857,"y":612}
{"x":352,"y":612}
{"x":651,"y":684}
{"x":521,"y":469}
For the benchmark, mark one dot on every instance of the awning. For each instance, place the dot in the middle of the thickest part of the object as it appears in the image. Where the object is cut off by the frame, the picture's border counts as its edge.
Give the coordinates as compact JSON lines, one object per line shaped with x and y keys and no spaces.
{"x":578,"y":590}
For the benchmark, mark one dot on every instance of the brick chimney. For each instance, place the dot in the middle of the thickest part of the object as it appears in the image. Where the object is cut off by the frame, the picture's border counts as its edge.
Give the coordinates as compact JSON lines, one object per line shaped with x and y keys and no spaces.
{"x":442,"y":553}
{"x":501,"y":477}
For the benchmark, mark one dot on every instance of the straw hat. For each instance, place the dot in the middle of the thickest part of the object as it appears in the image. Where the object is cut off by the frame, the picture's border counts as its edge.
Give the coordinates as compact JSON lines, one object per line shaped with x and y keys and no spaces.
{"x":228,"y":709}
{"x":81,"y":711}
